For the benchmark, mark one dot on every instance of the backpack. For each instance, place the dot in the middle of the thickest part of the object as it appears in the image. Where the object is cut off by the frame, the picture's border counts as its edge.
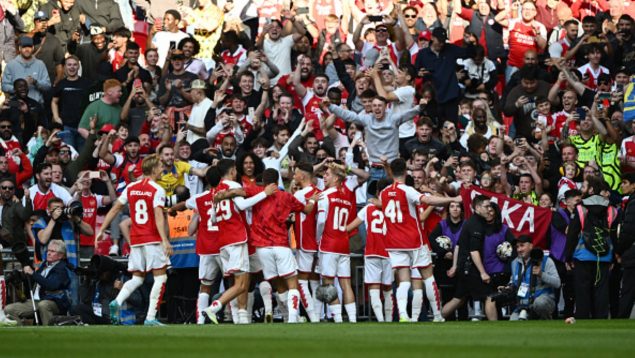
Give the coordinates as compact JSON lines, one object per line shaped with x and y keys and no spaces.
{"x":596,"y":239}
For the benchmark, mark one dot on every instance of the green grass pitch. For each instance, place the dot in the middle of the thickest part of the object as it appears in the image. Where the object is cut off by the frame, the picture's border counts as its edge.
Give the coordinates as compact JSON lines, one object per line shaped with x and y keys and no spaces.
{"x":490,"y":339}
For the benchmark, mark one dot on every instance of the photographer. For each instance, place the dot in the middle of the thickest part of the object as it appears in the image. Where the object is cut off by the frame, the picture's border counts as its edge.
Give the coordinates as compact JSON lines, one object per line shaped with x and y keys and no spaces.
{"x":535,"y":280}
{"x":105,"y":280}
{"x":61,"y":223}
{"x":50,"y":292}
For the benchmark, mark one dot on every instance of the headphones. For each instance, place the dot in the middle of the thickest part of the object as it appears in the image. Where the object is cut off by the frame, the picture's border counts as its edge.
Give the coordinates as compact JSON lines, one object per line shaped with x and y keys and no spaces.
{"x":577,"y":168}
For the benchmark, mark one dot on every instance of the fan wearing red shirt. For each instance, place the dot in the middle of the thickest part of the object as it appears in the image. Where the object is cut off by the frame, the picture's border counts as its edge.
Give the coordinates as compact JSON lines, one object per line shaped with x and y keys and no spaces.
{"x":377,"y":269}
{"x":150,"y":246}
{"x":232,"y":236}
{"x":335,"y":207}
{"x":311,"y":98}
{"x":269,"y":235}
{"x":305,"y":234}
{"x":405,"y":242}
{"x":524,"y":34}
{"x":91,"y":203}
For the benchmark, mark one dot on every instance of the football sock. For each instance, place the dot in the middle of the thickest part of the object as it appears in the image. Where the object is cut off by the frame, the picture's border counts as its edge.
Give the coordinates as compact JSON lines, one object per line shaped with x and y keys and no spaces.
{"x":282,"y":305}
{"x":402,"y":299}
{"x":201,"y":304}
{"x":336,"y":310}
{"x":351,"y":311}
{"x":250,"y":304}
{"x":265,"y":293}
{"x":233,"y":306}
{"x":158,"y":288}
{"x":388,"y":305}
{"x":128,"y":288}
{"x":307,"y":299}
{"x":375,"y":303}
{"x":318,"y":306}
{"x":432,"y":292}
{"x":293,"y":305}
{"x":417,"y":302}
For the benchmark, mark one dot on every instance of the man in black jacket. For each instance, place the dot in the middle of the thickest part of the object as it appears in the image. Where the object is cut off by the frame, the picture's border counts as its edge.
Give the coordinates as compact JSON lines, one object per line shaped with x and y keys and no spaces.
{"x":52,"y":282}
{"x":625,"y":249}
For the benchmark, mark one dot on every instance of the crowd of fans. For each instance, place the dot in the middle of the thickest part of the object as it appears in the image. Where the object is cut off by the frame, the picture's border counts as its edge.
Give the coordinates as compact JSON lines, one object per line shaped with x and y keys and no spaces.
{"x":529,"y":101}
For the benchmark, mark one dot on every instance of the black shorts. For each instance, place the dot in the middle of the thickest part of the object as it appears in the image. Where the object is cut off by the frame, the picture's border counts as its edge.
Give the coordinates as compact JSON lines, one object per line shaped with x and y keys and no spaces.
{"x":471,"y":285}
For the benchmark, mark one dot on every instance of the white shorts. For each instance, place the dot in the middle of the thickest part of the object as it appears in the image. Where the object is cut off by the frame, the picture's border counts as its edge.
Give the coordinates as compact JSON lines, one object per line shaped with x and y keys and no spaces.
{"x":235,"y":259}
{"x":208,"y":269}
{"x":306,"y":261}
{"x":412,"y":259}
{"x":255,"y":265}
{"x":335,"y":265}
{"x":277,"y":262}
{"x":377,"y":271}
{"x":147,"y":258}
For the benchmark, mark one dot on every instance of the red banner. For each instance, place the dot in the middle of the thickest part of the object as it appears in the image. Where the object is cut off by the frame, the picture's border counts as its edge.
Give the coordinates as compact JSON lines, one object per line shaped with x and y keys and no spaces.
{"x":520,"y":217}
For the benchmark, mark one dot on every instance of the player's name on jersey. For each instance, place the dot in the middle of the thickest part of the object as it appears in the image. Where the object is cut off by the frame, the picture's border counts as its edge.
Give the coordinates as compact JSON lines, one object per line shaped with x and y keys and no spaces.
{"x":340,"y":201}
{"x":141,"y":193}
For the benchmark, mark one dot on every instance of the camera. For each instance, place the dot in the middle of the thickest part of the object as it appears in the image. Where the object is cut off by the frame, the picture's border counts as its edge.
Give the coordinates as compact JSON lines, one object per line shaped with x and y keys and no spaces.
{"x":506,"y":296}
{"x":15,"y":277}
{"x":75,"y":208}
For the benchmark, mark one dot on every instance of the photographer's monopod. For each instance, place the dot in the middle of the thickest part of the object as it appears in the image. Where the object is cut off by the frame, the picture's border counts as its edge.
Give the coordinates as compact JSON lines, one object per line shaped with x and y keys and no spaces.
{"x":37,"y":321}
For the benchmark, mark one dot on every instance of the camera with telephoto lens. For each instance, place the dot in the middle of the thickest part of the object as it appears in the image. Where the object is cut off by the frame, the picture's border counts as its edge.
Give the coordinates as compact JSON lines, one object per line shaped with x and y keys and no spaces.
{"x":505,"y":296}
{"x":75,"y":208}
{"x":15,"y":277}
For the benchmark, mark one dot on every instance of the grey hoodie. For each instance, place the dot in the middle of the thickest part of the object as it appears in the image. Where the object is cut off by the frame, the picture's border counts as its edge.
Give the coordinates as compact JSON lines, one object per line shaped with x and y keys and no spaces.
{"x":21,"y":68}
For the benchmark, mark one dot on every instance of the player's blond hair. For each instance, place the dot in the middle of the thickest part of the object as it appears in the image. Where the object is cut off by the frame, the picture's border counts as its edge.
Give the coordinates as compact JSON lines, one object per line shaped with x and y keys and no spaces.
{"x":337,"y":170}
{"x":149,"y":163}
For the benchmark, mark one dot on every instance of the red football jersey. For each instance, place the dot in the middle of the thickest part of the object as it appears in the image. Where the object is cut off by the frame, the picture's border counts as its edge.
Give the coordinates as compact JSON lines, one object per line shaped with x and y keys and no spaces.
{"x":305,"y":224}
{"x":339,"y":209}
{"x":229,"y":219}
{"x":269,"y":219}
{"x":399,"y":202}
{"x":373,"y":218}
{"x":40,"y":200}
{"x":312,"y":112}
{"x":90,"y":203}
{"x":143,"y":196}
{"x":207,"y":236}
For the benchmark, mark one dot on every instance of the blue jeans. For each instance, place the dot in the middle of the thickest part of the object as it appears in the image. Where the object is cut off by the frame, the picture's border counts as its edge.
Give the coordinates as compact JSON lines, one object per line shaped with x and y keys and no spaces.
{"x":71,"y":136}
{"x":375,"y":175}
{"x":509,"y":71}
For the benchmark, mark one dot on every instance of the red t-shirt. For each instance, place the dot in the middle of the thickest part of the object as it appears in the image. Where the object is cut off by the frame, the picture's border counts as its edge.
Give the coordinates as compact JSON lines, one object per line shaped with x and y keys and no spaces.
{"x":269,"y":219}
{"x":207,"y":236}
{"x":90,"y":203}
{"x":305,"y":224}
{"x":522,"y":39}
{"x":142,"y":197}
{"x":404,"y":231}
{"x":339,"y":209}
{"x":373,"y":218}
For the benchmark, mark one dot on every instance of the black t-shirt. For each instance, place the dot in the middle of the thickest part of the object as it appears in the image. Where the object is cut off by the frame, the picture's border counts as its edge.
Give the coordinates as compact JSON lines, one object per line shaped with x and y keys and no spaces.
{"x":176,"y":100}
{"x":72,"y":95}
{"x":473,"y":229}
{"x":122,"y":75}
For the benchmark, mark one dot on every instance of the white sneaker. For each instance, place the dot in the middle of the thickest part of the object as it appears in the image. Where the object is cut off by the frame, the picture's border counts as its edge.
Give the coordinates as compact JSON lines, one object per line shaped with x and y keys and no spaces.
{"x":6,"y":322}
{"x":522,"y":316}
{"x":438,"y":319}
{"x":114,"y":250}
{"x":243,"y":317}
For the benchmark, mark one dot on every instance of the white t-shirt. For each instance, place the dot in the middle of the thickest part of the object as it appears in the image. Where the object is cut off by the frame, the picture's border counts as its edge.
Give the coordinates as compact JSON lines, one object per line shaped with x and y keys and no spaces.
{"x":406,"y":95}
{"x":161,"y":41}
{"x":279,"y":52}
{"x":197,"y":118}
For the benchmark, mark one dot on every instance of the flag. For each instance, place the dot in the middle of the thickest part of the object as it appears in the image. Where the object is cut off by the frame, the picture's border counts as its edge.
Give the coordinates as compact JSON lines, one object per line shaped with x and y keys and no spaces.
{"x":629,"y":101}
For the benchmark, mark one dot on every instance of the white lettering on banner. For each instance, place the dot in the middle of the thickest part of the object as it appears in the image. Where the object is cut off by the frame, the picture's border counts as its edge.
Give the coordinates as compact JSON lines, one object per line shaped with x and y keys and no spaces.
{"x":528,"y":217}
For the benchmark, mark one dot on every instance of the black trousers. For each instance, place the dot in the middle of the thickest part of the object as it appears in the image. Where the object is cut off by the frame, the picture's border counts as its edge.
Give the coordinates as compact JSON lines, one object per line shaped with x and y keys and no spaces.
{"x":568,"y":290}
{"x":181,"y":294}
{"x":627,"y":297}
{"x":591,"y":289}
